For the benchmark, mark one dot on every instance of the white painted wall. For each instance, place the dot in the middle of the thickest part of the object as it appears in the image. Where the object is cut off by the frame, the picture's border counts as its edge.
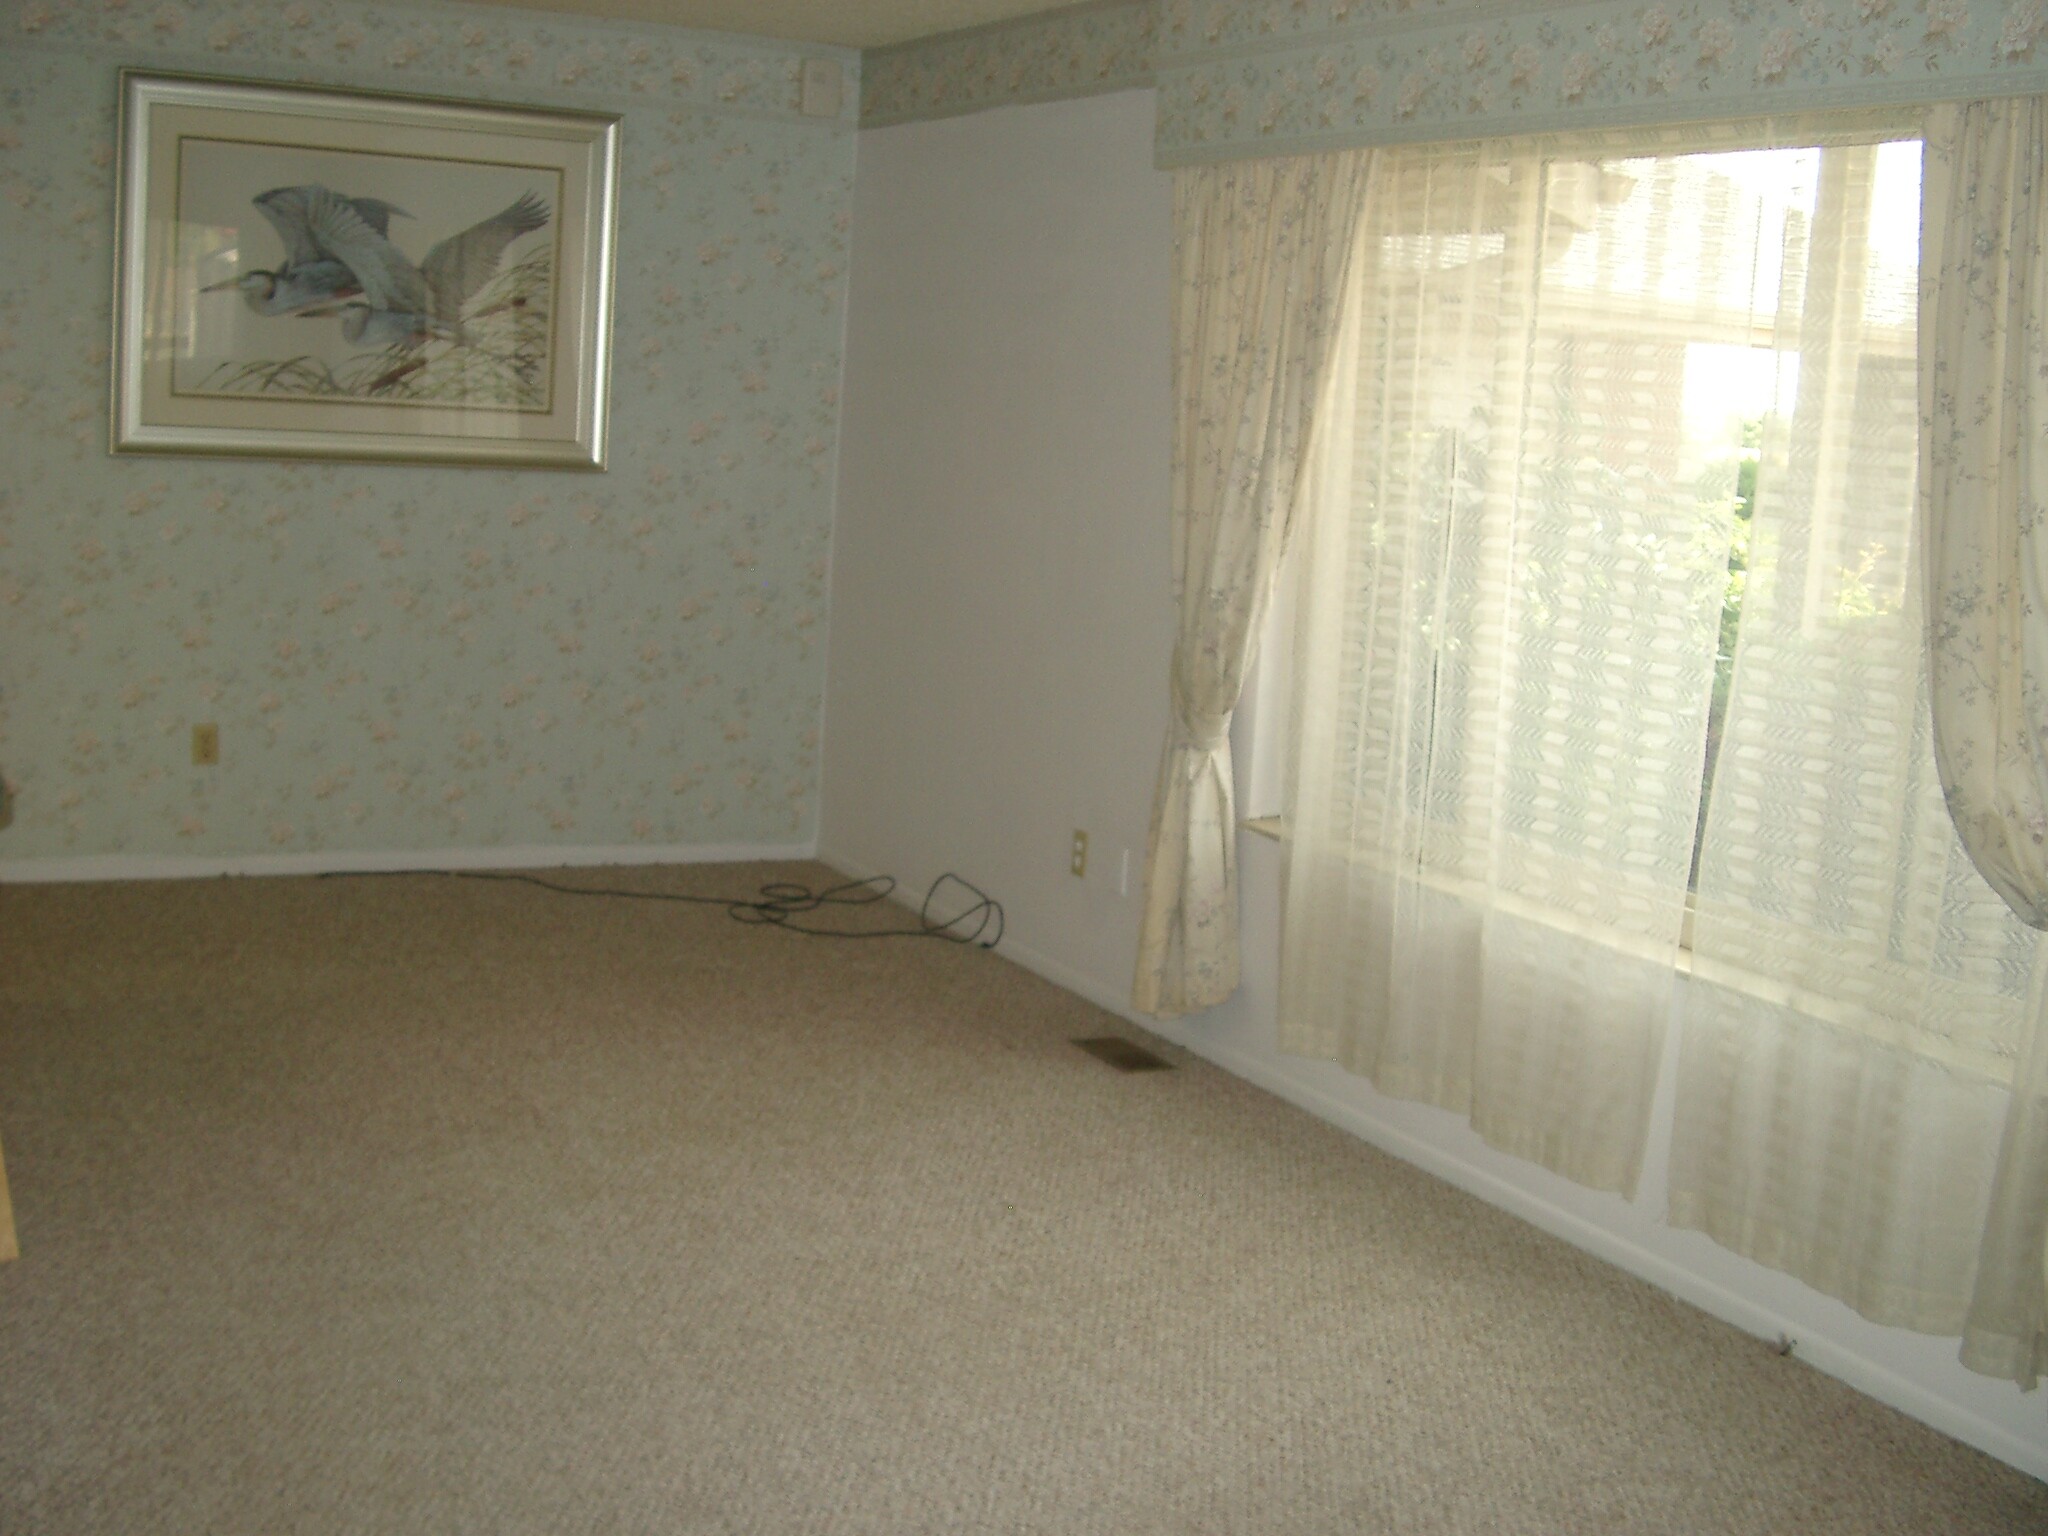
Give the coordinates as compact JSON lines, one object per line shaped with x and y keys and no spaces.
{"x":1000,"y":615}
{"x":998,"y":656}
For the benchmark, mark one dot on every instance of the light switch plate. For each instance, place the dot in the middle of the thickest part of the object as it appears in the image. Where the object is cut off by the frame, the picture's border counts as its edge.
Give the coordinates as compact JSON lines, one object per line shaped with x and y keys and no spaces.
{"x":820,"y":94}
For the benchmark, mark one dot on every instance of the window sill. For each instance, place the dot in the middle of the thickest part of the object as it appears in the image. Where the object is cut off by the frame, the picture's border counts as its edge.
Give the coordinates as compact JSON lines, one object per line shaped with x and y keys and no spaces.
{"x":1733,"y":977}
{"x":1275,"y":827}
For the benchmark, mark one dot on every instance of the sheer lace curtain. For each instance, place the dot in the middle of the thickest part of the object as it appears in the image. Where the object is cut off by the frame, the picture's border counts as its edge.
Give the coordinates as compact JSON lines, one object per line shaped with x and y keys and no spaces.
{"x":1625,"y":527}
{"x":1872,"y":1120}
{"x":1859,"y":992}
{"x":1508,"y":636}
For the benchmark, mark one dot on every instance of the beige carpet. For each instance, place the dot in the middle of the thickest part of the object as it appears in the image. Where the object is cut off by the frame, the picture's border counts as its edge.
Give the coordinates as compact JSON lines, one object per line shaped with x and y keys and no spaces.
{"x":426,"y":1205}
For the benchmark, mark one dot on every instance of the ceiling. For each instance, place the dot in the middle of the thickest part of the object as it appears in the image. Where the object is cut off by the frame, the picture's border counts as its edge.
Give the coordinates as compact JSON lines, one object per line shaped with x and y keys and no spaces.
{"x":848,"y":23}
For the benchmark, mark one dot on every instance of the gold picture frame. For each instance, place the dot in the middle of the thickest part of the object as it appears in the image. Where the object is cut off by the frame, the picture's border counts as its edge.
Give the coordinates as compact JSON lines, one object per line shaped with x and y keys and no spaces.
{"x":321,"y":273}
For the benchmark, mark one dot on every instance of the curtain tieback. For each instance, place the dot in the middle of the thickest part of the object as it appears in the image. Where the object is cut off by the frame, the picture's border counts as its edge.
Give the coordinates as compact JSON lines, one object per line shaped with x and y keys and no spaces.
{"x":1201,"y":730}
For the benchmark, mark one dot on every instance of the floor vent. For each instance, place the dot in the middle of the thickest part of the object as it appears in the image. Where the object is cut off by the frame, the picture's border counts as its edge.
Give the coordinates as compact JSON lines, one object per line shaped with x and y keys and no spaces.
{"x":1124,"y":1055}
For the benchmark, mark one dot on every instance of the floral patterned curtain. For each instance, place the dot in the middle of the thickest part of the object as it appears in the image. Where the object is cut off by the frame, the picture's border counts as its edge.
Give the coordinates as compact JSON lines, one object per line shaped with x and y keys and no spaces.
{"x":1983,"y":498}
{"x":1260,"y":253}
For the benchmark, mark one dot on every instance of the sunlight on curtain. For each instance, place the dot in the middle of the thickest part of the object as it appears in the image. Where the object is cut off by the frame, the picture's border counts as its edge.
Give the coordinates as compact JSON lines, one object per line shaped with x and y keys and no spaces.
{"x":1508,"y":634}
{"x":1859,"y":992}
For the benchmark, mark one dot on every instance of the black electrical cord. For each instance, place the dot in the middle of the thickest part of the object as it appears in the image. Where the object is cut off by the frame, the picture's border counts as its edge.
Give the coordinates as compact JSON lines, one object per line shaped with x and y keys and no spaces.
{"x":782,"y":901}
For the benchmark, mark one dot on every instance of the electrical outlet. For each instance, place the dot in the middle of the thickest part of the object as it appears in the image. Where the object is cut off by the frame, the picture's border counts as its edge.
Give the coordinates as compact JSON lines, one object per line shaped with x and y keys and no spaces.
{"x":205,"y":745}
{"x":1078,"y":864}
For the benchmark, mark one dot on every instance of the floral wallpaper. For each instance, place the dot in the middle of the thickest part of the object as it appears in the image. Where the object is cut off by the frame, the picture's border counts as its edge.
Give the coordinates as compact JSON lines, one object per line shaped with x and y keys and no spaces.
{"x":1076,"y":51}
{"x":1260,"y":76}
{"x":415,"y":658}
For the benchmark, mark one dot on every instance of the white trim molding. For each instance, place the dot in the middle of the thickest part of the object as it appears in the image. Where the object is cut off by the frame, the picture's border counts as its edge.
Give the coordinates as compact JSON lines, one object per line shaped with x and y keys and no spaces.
{"x":121,"y":866}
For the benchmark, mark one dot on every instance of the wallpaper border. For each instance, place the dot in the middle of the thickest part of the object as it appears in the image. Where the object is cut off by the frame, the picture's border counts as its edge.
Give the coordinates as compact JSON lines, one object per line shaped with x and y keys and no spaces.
{"x":1091,"y":49}
{"x":1268,"y":77}
{"x":1170,"y":156}
{"x":1242,"y":78}
{"x":445,"y":48}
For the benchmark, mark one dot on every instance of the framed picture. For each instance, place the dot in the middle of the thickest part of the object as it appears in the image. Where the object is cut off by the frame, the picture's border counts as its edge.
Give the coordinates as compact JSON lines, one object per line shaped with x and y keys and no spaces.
{"x":318,"y":273}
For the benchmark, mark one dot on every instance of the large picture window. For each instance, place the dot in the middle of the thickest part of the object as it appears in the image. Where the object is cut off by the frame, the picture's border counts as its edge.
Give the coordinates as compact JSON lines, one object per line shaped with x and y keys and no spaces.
{"x":1610,"y":666}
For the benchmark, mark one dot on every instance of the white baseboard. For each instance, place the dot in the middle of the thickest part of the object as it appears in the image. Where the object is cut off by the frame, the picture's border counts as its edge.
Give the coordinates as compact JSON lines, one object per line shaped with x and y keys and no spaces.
{"x":1827,"y":1355}
{"x":1083,"y":986}
{"x":1823,"y":1353}
{"x":123,"y":866}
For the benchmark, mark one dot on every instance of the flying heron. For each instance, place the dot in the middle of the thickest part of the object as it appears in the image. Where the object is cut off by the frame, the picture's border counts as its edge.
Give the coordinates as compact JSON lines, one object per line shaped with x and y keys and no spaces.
{"x":402,"y":305}
{"x":310,"y":281}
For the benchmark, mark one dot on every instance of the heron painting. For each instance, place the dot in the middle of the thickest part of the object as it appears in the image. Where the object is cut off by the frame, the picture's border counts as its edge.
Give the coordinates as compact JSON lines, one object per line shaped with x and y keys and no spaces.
{"x":359,"y":273}
{"x":342,"y":311}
